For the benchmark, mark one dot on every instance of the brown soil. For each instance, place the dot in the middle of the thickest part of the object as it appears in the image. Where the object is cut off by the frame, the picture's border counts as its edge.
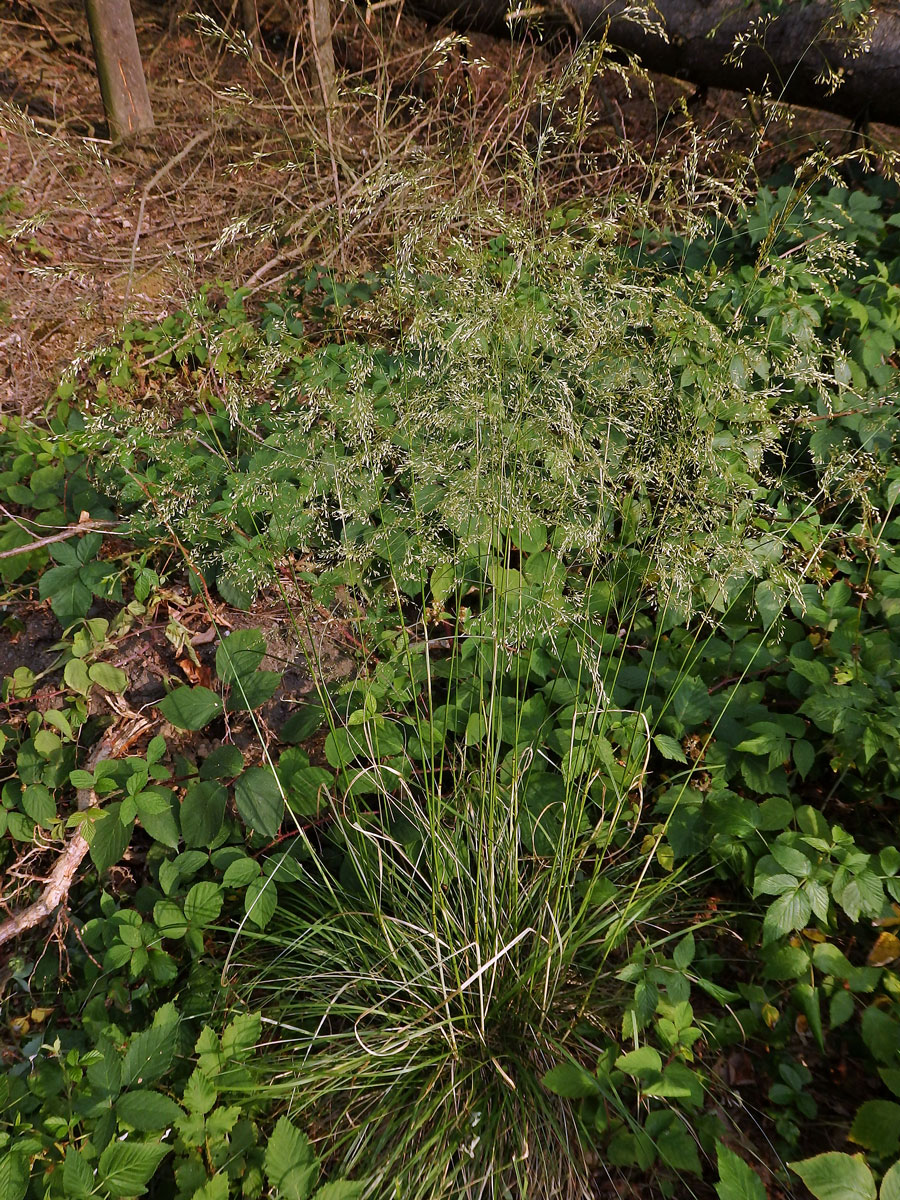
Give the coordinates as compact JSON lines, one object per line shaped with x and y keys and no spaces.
{"x":238,"y":181}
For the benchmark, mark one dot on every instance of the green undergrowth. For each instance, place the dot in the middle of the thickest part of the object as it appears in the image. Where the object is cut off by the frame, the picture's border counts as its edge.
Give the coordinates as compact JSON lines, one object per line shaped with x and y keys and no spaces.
{"x":633,"y":387}
{"x":612,"y":800}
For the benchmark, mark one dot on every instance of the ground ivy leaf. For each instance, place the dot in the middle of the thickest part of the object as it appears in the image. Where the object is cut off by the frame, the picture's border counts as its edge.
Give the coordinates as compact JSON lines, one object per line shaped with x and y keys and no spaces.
{"x":111,"y":678}
{"x":191,"y":708}
{"x":259,"y":800}
{"x":202,"y":813}
{"x":240,"y":654}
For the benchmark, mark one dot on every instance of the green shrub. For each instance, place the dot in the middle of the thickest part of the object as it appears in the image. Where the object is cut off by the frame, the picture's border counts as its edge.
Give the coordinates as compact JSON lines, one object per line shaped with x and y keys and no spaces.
{"x":617,"y":524}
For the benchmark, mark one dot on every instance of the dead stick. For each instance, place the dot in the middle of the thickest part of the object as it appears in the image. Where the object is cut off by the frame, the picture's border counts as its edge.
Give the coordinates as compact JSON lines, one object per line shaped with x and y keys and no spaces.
{"x":59,"y":881}
{"x":62,"y":536}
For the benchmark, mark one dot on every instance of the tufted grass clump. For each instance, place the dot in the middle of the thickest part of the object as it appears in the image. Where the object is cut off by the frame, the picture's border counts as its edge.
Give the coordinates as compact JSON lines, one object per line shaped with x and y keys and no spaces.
{"x":463,"y":930}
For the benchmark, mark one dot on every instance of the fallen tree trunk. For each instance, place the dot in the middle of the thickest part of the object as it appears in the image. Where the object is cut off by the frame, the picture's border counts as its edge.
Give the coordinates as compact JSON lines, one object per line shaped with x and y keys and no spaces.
{"x":790,"y":56}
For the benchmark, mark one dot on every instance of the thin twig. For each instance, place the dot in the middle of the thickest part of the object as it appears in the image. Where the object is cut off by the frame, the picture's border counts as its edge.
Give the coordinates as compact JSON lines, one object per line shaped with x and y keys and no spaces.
{"x":62,"y":536}
{"x":59,"y":882}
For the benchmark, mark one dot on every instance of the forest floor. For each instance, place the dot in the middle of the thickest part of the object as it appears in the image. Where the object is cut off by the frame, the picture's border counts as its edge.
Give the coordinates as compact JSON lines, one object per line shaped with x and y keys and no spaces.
{"x":234,"y":181}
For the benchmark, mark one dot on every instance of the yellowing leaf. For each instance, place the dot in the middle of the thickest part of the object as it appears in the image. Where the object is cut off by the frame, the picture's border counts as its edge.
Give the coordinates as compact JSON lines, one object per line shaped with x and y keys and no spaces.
{"x":885,"y":950}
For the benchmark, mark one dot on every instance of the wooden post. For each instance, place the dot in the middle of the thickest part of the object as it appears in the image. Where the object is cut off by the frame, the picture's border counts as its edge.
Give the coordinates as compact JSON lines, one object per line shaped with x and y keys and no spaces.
{"x":119,"y":68}
{"x":323,"y":49}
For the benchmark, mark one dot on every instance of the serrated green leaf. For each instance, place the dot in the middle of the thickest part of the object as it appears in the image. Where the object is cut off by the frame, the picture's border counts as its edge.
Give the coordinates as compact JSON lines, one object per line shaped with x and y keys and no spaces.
{"x":678,"y":1150}
{"x":252,"y":691}
{"x":290,"y":1163}
{"x":127,"y":1167}
{"x":737,"y":1179}
{"x":203,"y":904}
{"x":169,"y":919}
{"x":69,"y":597}
{"x":890,"y":1185}
{"x":157,"y":808}
{"x":225,"y":762}
{"x":241,"y":1035}
{"x":340,"y":1189}
{"x":443,"y":581}
{"x":240,"y":872}
{"x":789,"y":912}
{"x":200,"y":1093}
{"x":147,"y":1111}
{"x":303,"y":723}
{"x":791,"y":860}
{"x":107,"y":837}
{"x":804,"y":756}
{"x":260,"y":901}
{"x":38,"y":804}
{"x":150,"y":1052}
{"x":876,"y":1126}
{"x":571,"y":1081}
{"x":806,"y":998}
{"x":683,"y":954}
{"x":881,"y":1034}
{"x":105,"y":1074}
{"x":46,"y":743}
{"x":836,"y":1176}
{"x":76,"y":676}
{"x":669,"y":747}
{"x":78,"y":1178}
{"x":240,"y":654}
{"x":770,"y":602}
{"x":216,"y":1188}
{"x":13,"y":1176}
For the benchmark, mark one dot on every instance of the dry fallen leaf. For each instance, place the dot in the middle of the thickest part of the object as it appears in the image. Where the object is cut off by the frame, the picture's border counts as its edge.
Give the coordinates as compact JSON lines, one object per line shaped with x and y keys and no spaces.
{"x":196,"y":673}
{"x":885,"y":950}
{"x":887,"y":922}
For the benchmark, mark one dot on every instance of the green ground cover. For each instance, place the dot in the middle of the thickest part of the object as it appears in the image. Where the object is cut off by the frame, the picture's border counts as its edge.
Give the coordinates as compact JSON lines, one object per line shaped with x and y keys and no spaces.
{"x":610,"y":803}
